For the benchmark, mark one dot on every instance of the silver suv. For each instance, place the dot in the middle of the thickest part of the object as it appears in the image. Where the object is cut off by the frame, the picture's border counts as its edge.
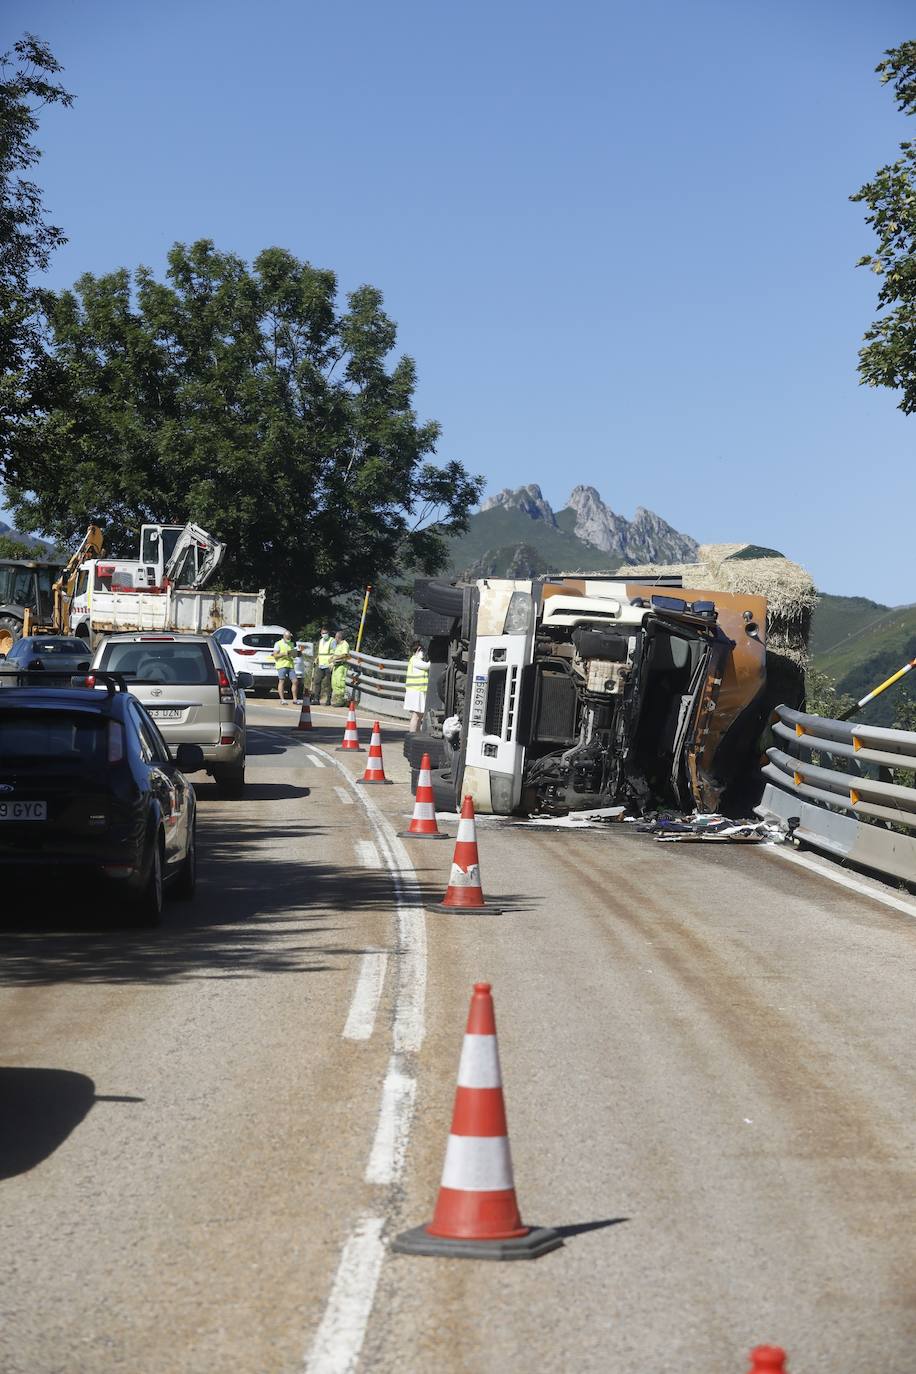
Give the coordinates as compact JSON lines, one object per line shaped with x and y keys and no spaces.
{"x":192,"y":692}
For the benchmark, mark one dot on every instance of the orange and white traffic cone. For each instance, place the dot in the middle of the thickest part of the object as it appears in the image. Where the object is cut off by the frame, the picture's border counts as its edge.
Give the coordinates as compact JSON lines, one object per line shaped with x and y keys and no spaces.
{"x":768,"y":1359}
{"x":351,"y":737}
{"x":464,"y":891}
{"x":423,"y":821}
{"x":375,"y":767}
{"x":305,"y":714}
{"x":477,"y":1214}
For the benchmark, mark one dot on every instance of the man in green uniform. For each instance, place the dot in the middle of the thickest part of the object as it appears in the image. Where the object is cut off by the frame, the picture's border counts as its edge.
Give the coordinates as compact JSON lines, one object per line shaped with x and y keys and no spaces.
{"x":339,"y":675}
{"x":284,"y":655}
{"x":323,"y":666}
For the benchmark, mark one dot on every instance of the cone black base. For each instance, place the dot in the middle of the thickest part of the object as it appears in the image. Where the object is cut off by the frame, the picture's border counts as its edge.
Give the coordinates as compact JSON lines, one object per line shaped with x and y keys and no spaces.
{"x":375,"y":782}
{"x":488,"y":908}
{"x":412,"y":835}
{"x":540,"y":1240}
{"x":342,"y":750}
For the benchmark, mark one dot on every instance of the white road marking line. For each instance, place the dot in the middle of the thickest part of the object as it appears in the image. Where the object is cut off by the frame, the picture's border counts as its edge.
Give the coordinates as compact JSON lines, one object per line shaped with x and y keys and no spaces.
{"x":842,"y":879}
{"x":318,"y":762}
{"x":343,"y":1326}
{"x":339,"y":1338}
{"x":367,"y":856}
{"x":366,"y":996}
{"x":389,"y":1149}
{"x":344,"y":796}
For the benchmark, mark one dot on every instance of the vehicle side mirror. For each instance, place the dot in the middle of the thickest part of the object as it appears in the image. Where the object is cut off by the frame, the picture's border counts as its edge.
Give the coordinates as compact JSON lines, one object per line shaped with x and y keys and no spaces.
{"x":189,"y":758}
{"x":245,"y":681}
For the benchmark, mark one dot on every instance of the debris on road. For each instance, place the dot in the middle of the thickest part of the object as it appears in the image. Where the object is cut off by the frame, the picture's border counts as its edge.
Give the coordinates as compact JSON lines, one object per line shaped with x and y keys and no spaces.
{"x":710,"y":828}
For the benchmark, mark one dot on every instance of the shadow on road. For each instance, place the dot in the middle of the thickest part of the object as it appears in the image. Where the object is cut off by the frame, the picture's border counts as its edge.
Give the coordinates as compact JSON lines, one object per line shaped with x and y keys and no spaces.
{"x":579,"y":1228}
{"x":38,"y":1110}
{"x":255,"y":913}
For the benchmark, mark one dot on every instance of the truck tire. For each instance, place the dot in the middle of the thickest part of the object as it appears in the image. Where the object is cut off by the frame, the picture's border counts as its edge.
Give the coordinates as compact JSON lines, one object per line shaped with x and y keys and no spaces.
{"x":10,"y":631}
{"x":441,"y":597}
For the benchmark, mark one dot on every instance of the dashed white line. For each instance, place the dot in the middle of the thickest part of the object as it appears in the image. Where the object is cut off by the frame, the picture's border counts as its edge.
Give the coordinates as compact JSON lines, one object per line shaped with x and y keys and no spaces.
{"x":344,"y":796}
{"x":339,"y":1338}
{"x":389,"y":1149}
{"x":367,"y":856}
{"x":318,"y":761}
{"x":366,"y":996}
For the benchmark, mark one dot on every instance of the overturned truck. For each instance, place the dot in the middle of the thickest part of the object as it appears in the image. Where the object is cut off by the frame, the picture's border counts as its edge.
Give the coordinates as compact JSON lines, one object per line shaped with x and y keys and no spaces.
{"x":567,"y":693}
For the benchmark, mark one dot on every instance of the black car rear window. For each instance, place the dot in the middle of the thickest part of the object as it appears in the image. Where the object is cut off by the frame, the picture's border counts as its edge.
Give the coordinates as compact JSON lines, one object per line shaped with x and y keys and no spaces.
{"x":163,"y":662}
{"x":61,"y":736}
{"x":258,"y":641}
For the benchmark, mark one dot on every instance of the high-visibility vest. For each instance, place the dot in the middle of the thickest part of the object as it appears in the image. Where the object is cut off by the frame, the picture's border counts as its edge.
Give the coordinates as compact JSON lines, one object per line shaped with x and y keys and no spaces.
{"x":417,"y":677}
{"x":284,"y":653}
{"x":325,"y":650}
{"x":341,"y":652}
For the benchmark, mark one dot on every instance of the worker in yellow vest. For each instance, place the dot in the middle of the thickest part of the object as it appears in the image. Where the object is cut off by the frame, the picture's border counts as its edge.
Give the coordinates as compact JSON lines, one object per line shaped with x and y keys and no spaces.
{"x":415,"y":686}
{"x":284,"y":655}
{"x":340,"y":654}
{"x":324,"y":666}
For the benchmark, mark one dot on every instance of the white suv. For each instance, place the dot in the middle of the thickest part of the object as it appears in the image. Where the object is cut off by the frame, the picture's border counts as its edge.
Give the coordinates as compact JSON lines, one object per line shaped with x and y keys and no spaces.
{"x":251,"y":651}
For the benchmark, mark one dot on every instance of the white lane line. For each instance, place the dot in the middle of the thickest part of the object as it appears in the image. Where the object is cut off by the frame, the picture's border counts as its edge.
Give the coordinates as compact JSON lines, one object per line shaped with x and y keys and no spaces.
{"x":318,"y":762}
{"x":344,"y":796}
{"x":343,"y":1326}
{"x":367,"y":856}
{"x":366,"y":996}
{"x":389,"y":1149}
{"x":339,"y":1338}
{"x":842,"y":879}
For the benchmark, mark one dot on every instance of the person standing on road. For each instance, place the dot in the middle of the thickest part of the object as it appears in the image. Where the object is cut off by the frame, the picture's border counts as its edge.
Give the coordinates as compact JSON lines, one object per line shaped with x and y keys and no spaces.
{"x":339,"y":675}
{"x":323,"y":666}
{"x":299,"y":670}
{"x":284,"y":655}
{"x":415,"y":686}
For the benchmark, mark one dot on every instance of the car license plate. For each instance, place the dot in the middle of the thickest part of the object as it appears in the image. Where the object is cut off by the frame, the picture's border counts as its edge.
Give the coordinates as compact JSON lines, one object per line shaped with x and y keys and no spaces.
{"x":163,"y":714}
{"x":23,"y":811}
{"x":478,"y":700}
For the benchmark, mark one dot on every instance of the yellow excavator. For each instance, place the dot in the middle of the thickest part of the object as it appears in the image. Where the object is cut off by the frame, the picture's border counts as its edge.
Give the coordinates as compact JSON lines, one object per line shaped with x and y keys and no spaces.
{"x":93,"y":546}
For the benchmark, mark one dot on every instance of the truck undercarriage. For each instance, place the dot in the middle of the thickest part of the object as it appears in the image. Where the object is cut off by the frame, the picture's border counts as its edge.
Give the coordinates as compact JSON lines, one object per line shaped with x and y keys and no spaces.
{"x":564,"y":694}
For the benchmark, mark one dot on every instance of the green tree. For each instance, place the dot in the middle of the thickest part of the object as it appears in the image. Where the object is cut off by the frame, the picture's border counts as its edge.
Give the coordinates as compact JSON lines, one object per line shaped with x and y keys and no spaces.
{"x":26,"y":238}
{"x":888,"y":357}
{"x":245,"y":399}
{"x":15,"y":548}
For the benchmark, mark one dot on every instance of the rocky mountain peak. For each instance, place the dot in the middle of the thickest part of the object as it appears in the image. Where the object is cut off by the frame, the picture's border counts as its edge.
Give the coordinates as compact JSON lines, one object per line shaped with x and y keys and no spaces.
{"x":529,"y":500}
{"x":647,"y":538}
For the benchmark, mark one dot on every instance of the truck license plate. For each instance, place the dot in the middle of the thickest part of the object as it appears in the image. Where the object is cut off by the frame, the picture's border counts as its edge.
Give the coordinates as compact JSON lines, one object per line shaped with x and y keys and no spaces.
{"x":478,"y":700}
{"x":23,"y":811}
{"x":163,"y":714}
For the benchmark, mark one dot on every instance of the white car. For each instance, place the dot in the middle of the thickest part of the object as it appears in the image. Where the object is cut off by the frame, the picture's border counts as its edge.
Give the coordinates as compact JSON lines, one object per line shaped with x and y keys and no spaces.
{"x":251,"y":651}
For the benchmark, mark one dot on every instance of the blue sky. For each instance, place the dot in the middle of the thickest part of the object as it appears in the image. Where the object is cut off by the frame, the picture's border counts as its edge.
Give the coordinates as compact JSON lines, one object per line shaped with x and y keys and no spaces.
{"x":616,"y":238}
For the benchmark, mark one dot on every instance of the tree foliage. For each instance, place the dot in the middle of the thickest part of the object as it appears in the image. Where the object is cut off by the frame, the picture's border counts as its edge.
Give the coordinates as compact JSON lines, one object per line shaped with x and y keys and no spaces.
{"x":16,"y":548}
{"x":888,"y":357}
{"x":243,"y":398}
{"x":26,"y":238}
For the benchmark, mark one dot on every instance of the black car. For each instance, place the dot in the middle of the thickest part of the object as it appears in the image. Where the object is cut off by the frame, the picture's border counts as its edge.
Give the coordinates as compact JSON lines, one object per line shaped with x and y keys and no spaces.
{"x":55,"y":654}
{"x":87,"y":782}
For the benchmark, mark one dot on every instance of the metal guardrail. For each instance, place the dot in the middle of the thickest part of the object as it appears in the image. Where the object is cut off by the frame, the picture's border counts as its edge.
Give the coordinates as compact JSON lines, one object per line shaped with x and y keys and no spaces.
{"x":377,"y":684}
{"x":836,"y":778}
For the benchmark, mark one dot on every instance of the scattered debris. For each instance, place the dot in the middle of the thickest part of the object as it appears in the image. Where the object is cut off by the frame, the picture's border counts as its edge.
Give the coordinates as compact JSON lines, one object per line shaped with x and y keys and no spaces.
{"x":710,"y":827}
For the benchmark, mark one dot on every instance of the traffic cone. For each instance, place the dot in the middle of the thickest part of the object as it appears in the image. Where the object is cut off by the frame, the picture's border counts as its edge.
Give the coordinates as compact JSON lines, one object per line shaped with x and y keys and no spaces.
{"x":477,"y":1214}
{"x":375,"y":768}
{"x":464,"y":892}
{"x":423,"y":821}
{"x":768,"y":1359}
{"x":351,"y":738}
{"x":305,"y":715}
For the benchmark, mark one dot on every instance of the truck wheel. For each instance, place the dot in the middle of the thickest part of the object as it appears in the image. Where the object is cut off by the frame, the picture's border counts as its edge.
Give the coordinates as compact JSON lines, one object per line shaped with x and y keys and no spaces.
{"x":10,"y":631}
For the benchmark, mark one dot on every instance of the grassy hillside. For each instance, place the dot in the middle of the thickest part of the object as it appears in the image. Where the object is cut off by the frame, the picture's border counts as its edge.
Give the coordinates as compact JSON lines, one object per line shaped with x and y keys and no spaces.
{"x":859,"y":643}
{"x":500,"y":528}
{"x":839,"y":618}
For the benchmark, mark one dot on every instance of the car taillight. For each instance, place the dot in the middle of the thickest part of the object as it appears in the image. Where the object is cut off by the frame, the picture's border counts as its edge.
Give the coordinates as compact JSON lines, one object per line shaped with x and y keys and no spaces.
{"x":115,"y":742}
{"x":225,"y":688}
{"x":249,"y":653}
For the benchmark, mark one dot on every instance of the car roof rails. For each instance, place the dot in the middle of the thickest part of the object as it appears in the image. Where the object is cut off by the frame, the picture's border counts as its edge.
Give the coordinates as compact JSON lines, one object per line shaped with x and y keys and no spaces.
{"x":113,"y":682}
{"x":37,"y":677}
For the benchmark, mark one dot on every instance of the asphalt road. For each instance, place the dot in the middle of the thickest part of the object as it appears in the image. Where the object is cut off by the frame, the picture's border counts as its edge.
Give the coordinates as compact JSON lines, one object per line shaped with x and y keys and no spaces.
{"x":209,"y":1132}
